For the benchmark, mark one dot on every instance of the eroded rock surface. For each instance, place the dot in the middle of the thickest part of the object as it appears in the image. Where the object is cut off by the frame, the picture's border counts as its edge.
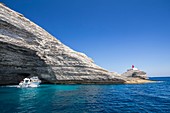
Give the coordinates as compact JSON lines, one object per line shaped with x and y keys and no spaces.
{"x":135,"y":74}
{"x":28,"y":50}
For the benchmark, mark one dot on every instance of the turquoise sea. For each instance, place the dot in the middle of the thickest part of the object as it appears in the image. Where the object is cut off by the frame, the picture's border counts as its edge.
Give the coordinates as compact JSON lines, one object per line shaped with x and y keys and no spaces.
{"x":143,"y":98}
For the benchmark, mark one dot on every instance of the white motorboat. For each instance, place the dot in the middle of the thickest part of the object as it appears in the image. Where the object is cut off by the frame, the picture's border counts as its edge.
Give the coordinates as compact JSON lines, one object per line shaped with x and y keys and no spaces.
{"x":30,"y":82}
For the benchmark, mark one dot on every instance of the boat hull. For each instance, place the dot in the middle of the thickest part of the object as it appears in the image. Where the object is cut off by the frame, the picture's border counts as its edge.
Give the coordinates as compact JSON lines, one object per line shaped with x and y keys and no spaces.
{"x":29,"y":82}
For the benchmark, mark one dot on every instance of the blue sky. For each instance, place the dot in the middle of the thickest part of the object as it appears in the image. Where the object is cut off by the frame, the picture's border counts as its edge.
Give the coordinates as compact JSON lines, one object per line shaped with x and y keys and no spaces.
{"x":114,"y":33}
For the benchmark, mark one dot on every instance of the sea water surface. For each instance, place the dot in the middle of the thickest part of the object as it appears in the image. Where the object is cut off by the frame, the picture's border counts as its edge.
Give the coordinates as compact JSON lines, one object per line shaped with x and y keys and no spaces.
{"x":143,"y":98}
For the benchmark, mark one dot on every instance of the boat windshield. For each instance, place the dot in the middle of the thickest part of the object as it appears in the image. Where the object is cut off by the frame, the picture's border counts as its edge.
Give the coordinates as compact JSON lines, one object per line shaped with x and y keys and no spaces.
{"x":26,"y":81}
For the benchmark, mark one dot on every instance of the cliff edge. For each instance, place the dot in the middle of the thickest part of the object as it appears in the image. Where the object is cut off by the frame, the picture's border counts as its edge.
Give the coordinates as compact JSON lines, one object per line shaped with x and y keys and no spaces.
{"x":28,"y":50}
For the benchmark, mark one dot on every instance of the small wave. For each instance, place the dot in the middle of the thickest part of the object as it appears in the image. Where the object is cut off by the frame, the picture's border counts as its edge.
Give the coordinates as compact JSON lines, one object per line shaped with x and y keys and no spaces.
{"x":160,"y":81}
{"x":10,"y":86}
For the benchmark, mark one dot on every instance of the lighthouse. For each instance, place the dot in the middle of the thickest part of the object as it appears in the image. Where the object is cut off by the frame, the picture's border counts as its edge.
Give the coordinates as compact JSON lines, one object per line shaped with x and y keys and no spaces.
{"x":133,"y":68}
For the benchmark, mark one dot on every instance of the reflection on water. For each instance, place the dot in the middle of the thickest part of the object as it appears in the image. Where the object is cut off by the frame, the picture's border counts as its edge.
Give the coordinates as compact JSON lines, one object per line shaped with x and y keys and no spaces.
{"x":28,"y":98}
{"x":153,"y":97}
{"x":38,"y":99}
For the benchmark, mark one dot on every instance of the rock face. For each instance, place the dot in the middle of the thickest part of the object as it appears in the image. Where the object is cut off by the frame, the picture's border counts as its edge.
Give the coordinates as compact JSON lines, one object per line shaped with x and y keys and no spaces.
{"x":28,"y":50}
{"x":135,"y":74}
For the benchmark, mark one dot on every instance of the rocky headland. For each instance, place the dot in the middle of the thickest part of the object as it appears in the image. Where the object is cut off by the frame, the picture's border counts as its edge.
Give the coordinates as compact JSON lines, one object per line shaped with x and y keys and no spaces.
{"x":135,"y":76}
{"x":28,"y":50}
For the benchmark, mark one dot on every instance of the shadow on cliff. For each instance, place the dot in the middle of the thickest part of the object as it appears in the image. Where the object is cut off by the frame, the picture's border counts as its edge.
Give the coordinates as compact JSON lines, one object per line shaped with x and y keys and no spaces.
{"x":17,"y":63}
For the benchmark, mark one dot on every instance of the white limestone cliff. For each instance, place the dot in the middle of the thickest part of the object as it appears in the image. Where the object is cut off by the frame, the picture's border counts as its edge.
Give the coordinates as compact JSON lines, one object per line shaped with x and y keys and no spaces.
{"x":28,"y":50}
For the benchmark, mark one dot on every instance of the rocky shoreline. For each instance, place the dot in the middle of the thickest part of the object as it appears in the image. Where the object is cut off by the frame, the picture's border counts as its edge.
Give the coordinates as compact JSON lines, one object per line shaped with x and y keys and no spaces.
{"x":138,"y":81}
{"x":28,"y":50}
